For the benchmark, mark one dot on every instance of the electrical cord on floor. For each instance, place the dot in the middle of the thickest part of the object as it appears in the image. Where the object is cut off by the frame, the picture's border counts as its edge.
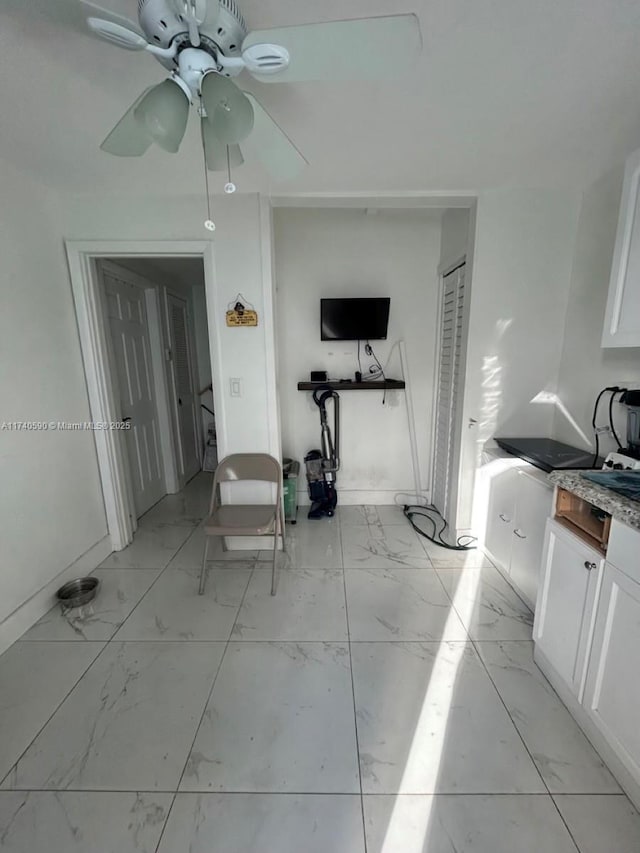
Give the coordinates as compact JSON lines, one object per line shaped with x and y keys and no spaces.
{"x":421,"y":511}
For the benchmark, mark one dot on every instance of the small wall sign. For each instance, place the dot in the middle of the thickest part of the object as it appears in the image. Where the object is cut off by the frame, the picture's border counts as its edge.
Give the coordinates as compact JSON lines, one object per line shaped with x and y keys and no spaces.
{"x":241,"y":313}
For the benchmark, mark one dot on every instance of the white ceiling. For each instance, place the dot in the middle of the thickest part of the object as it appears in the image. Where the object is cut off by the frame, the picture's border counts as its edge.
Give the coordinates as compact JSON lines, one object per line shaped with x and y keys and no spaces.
{"x":508,"y":93}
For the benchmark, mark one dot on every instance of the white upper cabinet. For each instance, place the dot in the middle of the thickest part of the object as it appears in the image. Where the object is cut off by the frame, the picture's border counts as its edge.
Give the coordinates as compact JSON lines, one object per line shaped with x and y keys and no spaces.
{"x":622,"y":319}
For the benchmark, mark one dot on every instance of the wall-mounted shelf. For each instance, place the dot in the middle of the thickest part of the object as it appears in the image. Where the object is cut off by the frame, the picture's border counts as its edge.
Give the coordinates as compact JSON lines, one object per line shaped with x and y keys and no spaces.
{"x":376,"y":385}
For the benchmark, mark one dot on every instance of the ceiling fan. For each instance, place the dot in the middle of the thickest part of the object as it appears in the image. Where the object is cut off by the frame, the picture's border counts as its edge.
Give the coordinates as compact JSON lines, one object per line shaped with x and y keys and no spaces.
{"x":204,"y":44}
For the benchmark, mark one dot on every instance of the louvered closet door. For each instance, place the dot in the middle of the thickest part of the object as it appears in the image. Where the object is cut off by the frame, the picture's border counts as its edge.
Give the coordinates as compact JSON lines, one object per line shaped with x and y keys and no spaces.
{"x":448,"y":389}
{"x":184,"y":387}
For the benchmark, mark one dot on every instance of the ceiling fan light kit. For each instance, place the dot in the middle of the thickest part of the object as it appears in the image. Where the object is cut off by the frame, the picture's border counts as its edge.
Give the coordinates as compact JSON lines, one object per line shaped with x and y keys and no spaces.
{"x":164,"y":113}
{"x":205,"y":43}
{"x":228,"y":109}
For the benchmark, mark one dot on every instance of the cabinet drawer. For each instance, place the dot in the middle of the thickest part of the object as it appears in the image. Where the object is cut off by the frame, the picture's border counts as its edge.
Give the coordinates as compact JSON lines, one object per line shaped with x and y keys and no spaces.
{"x":624,"y":549}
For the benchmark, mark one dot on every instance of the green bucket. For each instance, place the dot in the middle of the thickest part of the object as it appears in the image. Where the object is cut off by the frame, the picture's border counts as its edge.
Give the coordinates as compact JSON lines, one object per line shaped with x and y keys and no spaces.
{"x":291,"y":469}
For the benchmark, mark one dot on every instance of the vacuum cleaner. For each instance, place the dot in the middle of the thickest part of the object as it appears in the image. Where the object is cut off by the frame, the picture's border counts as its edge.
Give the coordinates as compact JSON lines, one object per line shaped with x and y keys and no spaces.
{"x":322,"y":465}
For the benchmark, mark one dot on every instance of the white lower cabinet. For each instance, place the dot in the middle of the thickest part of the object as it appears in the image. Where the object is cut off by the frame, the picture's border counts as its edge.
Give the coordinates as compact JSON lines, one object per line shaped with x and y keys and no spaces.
{"x":612,"y":696}
{"x":587,"y":640}
{"x":533,"y":505}
{"x":501,"y":514}
{"x":565,"y":610}
{"x":519,"y":504}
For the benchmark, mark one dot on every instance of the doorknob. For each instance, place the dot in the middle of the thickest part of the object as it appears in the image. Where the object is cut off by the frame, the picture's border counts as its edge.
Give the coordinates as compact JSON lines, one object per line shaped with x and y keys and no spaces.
{"x":519,"y":534}
{"x":589,"y":566}
{"x":126,"y":420}
{"x":504,"y":518}
{"x":472,"y":422}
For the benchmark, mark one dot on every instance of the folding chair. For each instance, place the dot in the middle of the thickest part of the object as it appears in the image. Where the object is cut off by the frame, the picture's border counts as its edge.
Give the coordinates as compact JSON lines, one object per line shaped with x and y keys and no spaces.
{"x":246,"y":519}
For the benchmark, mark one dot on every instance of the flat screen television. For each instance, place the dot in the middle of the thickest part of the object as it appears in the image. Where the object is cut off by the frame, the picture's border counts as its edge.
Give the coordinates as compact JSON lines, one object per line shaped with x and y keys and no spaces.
{"x":354,"y":319}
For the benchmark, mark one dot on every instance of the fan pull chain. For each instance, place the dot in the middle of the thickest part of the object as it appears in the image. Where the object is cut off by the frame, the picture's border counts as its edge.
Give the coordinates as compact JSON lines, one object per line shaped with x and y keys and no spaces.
{"x":229,"y":187}
{"x":209,"y":224}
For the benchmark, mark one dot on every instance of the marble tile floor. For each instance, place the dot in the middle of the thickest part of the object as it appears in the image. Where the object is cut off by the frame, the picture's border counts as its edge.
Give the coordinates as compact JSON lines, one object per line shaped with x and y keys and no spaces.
{"x":385,"y":701}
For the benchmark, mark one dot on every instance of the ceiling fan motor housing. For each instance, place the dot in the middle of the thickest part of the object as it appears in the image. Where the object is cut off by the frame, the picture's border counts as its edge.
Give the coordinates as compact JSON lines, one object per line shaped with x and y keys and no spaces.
{"x":223,"y":32}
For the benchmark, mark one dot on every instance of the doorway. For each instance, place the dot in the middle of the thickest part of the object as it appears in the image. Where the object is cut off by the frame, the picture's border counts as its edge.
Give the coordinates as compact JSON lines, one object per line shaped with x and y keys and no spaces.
{"x":149,"y":309}
{"x":147,"y":341}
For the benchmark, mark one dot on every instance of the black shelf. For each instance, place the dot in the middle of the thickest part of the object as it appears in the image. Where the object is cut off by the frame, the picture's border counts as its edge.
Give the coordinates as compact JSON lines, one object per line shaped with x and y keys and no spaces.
{"x":374,"y":385}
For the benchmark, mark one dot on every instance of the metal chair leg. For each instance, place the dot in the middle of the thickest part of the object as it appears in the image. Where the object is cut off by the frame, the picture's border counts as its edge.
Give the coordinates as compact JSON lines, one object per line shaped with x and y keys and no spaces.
{"x":203,"y":573}
{"x":274,"y":575}
{"x":282,"y":531}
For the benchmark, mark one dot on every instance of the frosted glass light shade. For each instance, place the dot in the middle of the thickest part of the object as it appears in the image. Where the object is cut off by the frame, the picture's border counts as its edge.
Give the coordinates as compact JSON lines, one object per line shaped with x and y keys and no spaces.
{"x":229,"y":111}
{"x":129,"y":138}
{"x":164,"y":112}
{"x":215,"y":152}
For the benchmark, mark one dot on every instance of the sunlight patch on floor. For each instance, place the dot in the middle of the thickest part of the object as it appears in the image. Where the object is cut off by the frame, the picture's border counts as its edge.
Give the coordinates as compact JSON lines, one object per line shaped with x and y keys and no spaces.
{"x":431,"y":729}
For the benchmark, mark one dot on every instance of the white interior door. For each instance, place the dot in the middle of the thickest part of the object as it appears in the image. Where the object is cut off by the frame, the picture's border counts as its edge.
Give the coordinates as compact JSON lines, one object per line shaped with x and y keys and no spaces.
{"x":446,"y":448}
{"x":183,"y":381}
{"x":128,"y":324}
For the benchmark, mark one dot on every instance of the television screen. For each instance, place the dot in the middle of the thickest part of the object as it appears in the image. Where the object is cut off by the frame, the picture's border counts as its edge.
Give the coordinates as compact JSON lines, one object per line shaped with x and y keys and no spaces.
{"x":354,"y":319}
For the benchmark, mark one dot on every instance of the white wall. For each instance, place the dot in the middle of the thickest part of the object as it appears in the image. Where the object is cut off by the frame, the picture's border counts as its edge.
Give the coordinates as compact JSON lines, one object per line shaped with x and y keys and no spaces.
{"x":522,"y":262}
{"x":51,"y":508}
{"x":454,"y":241}
{"x":324,"y":253}
{"x":585,"y":367}
{"x":248,"y":422}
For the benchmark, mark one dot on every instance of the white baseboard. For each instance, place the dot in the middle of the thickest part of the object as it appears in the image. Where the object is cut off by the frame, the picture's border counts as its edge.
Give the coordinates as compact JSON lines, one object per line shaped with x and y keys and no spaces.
{"x":374,"y":497}
{"x":23,"y":617}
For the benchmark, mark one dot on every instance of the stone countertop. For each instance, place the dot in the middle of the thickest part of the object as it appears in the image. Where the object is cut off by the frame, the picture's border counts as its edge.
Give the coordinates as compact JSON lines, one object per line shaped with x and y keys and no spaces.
{"x":621,"y":508}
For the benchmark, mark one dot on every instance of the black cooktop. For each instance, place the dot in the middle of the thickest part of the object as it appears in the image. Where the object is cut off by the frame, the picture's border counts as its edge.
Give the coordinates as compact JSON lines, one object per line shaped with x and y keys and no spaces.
{"x":548,"y":454}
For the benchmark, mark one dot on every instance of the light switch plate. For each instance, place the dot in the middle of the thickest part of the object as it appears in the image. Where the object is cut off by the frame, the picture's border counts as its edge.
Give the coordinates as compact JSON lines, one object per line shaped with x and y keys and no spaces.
{"x":235,"y":387}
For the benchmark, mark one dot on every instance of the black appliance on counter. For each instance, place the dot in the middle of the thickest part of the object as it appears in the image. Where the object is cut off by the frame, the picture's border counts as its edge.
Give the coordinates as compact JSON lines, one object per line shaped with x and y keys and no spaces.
{"x":549,"y":454}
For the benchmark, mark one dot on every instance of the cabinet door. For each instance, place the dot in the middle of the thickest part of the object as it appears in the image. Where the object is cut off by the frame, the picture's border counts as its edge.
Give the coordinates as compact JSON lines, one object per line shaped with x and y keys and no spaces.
{"x":501,"y":516}
{"x":622,"y":319}
{"x":563,"y":623}
{"x":533,"y":507}
{"x":612,"y":695}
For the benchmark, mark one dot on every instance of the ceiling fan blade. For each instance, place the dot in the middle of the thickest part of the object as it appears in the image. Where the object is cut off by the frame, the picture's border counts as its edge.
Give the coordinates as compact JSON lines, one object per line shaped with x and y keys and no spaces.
{"x":270,"y":144}
{"x":228,"y":109}
{"x":91,"y":10}
{"x":365,"y":49}
{"x":116,"y":34}
{"x":215,"y":152}
{"x":129,"y":138}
